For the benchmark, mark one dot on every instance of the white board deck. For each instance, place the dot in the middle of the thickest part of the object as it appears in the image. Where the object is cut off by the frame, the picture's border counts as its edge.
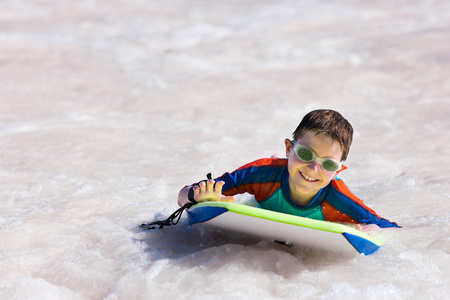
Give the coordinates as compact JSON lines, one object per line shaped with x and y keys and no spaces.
{"x":281,"y":227}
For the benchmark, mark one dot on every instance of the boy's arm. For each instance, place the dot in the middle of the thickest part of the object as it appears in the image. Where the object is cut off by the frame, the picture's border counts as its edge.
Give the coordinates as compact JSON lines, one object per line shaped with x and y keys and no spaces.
{"x":344,"y":204}
{"x":236,"y":182}
{"x":204,"y":191}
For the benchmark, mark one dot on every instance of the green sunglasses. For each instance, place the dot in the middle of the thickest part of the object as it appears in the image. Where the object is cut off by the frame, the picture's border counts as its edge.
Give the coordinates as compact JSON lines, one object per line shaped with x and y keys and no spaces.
{"x":307,"y":155}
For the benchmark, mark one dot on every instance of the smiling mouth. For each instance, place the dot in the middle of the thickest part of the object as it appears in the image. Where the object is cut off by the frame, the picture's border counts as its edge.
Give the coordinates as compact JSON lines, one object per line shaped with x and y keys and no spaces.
{"x":307,"y":178}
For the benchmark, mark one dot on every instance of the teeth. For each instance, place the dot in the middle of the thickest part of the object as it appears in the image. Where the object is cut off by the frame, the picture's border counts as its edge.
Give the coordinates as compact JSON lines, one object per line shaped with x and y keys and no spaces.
{"x":308,"y":178}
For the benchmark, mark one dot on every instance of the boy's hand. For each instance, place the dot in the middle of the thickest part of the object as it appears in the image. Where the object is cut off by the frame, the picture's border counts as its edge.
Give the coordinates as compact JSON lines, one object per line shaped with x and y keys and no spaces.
{"x":367,"y":228}
{"x":211,"y":191}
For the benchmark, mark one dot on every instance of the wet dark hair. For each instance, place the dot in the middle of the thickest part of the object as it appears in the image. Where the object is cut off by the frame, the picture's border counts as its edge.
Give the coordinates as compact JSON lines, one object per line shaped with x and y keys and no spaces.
{"x":329,"y":122}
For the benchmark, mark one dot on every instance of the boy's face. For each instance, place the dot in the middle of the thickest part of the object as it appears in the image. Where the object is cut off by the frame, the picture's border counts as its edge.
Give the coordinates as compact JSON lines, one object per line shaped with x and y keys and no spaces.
{"x":307,"y":178}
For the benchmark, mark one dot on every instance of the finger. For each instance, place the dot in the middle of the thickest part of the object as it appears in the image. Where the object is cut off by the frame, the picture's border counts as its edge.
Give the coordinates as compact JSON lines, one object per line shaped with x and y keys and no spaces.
{"x":219,"y":185}
{"x":227,"y":199}
{"x":210,"y":185}
{"x":196,"y":189}
{"x":196,"y":192}
{"x":202,"y":186}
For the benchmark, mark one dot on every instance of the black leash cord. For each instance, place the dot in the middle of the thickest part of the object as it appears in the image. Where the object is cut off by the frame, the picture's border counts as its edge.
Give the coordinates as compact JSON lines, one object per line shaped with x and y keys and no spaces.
{"x":169,"y":221}
{"x":176,"y":214}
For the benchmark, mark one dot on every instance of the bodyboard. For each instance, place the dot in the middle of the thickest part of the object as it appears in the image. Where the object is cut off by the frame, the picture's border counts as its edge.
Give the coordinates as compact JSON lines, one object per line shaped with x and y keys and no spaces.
{"x":280,"y":227}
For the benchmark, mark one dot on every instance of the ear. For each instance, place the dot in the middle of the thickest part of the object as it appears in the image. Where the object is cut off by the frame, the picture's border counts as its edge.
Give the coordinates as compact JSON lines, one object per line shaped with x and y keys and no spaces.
{"x":288,"y":144}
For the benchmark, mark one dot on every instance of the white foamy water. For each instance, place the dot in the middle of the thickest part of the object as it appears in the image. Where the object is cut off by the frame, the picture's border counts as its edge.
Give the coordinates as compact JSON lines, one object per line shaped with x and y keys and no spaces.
{"x":107,"y":108}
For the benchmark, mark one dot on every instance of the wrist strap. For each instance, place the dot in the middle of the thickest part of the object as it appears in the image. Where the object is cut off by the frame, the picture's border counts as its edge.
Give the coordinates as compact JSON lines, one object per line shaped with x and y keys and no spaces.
{"x":191,"y":190}
{"x":174,"y":218}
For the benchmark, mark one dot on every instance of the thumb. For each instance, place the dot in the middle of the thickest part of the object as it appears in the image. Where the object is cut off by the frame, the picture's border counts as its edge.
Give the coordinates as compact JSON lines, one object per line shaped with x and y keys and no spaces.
{"x":227,"y":199}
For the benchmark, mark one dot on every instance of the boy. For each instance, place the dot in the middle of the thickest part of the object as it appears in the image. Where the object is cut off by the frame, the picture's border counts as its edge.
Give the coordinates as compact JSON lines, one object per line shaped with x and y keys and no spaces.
{"x":304,"y":184}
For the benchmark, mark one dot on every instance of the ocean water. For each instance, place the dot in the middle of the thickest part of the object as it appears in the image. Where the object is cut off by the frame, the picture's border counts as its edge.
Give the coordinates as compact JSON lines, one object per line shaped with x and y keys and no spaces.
{"x":108,"y":108}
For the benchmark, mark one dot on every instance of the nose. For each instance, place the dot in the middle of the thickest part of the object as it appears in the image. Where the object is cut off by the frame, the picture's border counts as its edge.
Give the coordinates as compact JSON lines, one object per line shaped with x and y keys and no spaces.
{"x":314,"y":166}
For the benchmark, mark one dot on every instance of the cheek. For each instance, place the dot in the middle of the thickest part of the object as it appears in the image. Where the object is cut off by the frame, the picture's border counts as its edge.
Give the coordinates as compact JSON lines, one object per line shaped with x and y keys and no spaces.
{"x":294,"y":163}
{"x":327,"y":177}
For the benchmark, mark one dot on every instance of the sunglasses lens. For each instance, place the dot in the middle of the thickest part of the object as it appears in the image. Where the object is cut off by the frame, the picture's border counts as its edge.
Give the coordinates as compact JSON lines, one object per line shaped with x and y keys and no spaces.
{"x":305,"y":154}
{"x":330,"y":166}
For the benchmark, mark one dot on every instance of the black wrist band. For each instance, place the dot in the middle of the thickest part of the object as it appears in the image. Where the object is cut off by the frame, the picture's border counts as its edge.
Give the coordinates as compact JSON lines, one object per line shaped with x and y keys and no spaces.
{"x":191,"y":195}
{"x":191,"y":190}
